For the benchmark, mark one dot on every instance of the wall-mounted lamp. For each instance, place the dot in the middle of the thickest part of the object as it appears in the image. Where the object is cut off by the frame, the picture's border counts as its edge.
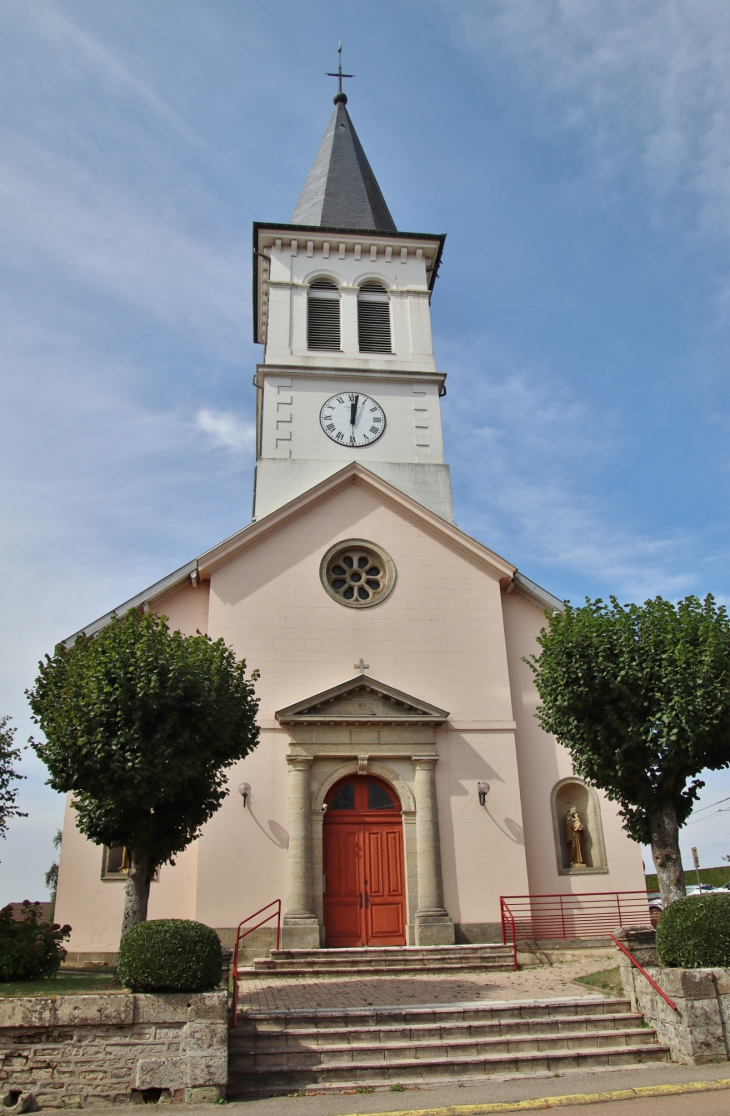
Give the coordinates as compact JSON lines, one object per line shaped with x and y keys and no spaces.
{"x":483,"y":789}
{"x":324,"y":808}
{"x":244,"y":789}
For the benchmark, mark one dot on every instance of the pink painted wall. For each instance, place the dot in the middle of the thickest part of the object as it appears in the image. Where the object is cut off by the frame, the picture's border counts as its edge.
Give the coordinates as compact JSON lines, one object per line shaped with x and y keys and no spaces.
{"x":542,"y":762}
{"x":447,"y":634}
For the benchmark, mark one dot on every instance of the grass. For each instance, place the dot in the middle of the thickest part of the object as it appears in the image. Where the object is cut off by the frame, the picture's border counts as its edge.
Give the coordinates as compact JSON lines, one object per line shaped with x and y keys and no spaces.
{"x":607,"y":981}
{"x":65,"y":984}
{"x":716,"y":877}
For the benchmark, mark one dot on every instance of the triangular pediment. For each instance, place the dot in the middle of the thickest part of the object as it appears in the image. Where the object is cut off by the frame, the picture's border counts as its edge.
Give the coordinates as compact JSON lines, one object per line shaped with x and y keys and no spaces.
{"x":362,"y":699}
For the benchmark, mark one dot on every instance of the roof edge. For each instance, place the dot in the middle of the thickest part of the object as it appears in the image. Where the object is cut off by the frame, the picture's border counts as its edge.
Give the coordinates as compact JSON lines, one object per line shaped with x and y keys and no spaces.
{"x":535,"y":593}
{"x":148,"y":596}
{"x":353,"y":473}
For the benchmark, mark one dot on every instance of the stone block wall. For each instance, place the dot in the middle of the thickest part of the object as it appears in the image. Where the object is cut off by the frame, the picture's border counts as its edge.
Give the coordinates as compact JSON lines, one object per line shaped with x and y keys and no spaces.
{"x":698,"y":1032}
{"x":74,"y":1051}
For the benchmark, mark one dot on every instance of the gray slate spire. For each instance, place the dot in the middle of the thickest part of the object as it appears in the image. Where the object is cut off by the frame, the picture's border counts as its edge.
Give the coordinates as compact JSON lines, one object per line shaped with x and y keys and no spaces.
{"x":341,"y":190}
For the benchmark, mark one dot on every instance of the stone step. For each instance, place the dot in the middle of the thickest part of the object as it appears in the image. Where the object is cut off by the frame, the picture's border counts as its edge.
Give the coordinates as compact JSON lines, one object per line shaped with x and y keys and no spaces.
{"x":325,"y":1037}
{"x":377,"y":1075}
{"x":264,"y":969}
{"x":379,"y":960}
{"x":334,"y":1049}
{"x":491,"y":1010}
{"x":332,"y":1056}
{"x":389,"y":951}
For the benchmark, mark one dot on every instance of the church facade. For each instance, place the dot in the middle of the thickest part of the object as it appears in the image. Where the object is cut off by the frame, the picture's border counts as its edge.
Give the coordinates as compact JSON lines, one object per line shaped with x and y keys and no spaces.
{"x":402,"y":783}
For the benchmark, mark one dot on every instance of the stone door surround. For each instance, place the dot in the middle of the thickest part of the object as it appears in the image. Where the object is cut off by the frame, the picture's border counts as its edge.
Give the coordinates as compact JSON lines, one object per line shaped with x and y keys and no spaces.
{"x":360,"y":726}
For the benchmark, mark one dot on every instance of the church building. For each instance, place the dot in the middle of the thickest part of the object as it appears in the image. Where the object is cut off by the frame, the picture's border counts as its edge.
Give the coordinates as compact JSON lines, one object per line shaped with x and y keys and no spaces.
{"x":402,"y":783}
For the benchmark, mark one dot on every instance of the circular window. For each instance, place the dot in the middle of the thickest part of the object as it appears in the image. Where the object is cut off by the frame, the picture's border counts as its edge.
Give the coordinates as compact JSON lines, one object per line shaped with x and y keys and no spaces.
{"x":357,"y":573}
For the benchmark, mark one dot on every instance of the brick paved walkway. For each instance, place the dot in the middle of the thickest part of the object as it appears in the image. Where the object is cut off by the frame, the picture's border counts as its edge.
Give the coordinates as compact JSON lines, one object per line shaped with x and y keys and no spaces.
{"x":305,"y":992}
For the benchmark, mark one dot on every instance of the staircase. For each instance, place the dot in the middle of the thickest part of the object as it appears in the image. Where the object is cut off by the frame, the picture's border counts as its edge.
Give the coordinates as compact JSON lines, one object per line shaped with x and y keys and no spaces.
{"x":279,"y":1052}
{"x":381,"y":961}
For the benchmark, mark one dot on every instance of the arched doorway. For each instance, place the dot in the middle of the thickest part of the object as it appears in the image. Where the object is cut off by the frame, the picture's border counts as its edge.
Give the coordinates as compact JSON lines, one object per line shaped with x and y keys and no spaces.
{"x":364,"y":893}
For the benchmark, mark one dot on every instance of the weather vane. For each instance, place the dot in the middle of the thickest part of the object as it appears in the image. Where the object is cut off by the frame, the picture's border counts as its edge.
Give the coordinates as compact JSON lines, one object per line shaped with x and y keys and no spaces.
{"x":340,"y":96}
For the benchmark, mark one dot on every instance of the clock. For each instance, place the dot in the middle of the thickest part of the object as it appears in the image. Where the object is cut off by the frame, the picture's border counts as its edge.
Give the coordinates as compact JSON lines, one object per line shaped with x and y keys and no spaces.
{"x":352,"y":419}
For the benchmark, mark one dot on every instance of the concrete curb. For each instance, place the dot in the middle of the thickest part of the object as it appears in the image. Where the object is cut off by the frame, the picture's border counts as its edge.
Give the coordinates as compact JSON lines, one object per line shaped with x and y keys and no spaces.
{"x":537,"y":1103}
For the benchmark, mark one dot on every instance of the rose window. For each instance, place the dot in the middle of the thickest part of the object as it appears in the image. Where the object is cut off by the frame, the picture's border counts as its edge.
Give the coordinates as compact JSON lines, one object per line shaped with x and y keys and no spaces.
{"x":357,"y":573}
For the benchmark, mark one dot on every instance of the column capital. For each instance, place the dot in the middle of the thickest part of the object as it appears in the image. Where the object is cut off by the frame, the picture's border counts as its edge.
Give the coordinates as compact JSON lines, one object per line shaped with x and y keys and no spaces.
{"x":299,"y":761}
{"x":424,"y":761}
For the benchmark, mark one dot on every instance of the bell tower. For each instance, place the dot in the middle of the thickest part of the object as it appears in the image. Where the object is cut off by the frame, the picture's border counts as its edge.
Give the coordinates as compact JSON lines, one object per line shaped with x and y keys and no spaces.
{"x":342,"y":308}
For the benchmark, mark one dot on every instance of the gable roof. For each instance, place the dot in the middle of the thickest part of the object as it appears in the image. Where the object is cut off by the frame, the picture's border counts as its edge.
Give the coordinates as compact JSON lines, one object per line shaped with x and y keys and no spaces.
{"x":341,"y":189}
{"x":353,"y":474}
{"x":361,"y":699}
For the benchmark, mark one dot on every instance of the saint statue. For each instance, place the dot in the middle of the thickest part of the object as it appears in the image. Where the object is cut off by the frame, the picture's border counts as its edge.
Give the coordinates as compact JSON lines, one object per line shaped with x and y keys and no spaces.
{"x":573,"y":830}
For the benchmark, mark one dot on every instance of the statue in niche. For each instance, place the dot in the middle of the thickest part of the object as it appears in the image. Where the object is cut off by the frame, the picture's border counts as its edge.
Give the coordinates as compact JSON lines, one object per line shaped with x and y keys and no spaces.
{"x":574,"y":830}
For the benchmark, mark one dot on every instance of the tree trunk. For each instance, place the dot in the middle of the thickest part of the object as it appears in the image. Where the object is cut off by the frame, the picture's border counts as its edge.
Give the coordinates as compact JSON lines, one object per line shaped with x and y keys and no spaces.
{"x":667,"y":858}
{"x":137,"y":894}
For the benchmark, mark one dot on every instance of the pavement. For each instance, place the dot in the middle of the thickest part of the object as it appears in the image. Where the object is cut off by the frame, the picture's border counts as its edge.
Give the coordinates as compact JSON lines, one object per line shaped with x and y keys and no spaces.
{"x":539,"y":983}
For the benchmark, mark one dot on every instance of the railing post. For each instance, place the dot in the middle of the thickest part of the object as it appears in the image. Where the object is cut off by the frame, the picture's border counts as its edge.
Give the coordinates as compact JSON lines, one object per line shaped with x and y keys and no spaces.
{"x":618,"y":904}
{"x":562,"y":917}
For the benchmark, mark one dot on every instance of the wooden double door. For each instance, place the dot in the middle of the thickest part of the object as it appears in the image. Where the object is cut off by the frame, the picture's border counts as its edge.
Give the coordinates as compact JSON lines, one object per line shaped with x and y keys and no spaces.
{"x":364,"y":892}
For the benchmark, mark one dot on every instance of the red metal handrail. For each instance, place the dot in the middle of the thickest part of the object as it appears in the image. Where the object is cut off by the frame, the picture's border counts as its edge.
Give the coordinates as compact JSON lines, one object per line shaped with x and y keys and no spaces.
{"x":508,"y":917}
{"x":240,"y":936}
{"x":569,"y":915}
{"x":644,"y":973}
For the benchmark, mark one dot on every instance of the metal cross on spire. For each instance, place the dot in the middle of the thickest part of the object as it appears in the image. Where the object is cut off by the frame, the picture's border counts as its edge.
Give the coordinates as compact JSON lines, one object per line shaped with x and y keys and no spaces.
{"x":339,"y":95}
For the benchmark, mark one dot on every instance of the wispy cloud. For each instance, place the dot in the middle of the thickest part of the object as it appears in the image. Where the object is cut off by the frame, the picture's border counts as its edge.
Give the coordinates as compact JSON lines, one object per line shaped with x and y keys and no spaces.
{"x":533,"y":481}
{"x":226,"y":429}
{"x":646,"y":83}
{"x":55,"y":212}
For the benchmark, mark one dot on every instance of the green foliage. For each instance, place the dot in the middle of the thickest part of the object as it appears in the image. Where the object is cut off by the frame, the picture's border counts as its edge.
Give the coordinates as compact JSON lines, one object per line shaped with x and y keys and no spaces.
{"x":694,"y":933}
{"x":640,"y":697}
{"x":9,"y":756}
{"x":30,"y":948}
{"x":140,"y":725}
{"x":715,"y":877}
{"x":170,"y":955}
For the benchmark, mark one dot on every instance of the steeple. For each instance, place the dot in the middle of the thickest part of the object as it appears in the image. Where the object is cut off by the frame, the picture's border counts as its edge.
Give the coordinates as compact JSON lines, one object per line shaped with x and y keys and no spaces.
{"x":341,"y":190}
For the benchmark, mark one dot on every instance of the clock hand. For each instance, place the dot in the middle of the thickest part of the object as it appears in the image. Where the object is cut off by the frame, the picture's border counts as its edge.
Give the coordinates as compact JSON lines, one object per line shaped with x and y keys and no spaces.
{"x":353,"y":410}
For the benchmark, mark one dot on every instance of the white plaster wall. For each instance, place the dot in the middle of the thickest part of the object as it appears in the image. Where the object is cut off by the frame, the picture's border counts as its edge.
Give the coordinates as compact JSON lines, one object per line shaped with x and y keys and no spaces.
{"x":409,"y":454}
{"x":291,"y":426}
{"x":292,"y":270}
{"x":542,"y":762}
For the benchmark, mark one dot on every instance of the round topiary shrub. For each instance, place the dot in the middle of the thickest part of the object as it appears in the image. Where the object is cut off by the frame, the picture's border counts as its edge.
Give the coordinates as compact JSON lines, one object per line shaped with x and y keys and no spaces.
{"x":694,"y":933}
{"x":170,"y":955}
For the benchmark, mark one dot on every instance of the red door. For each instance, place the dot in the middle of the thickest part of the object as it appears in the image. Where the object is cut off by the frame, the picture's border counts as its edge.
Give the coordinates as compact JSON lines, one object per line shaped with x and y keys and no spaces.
{"x":364,"y":897}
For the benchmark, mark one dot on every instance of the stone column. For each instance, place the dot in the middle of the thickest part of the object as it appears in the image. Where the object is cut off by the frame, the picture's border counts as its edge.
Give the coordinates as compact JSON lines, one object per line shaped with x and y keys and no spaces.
{"x":433,"y":924}
{"x":300,"y":928}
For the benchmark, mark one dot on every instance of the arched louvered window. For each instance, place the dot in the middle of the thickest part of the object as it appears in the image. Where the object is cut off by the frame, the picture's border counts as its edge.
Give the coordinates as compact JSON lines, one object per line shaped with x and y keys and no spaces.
{"x":323,"y":315}
{"x":373,"y":318}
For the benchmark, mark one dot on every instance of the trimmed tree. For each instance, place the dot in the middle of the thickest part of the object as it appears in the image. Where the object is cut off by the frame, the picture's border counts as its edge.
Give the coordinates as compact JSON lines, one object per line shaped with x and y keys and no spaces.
{"x":141,"y":724}
{"x":639,"y":695}
{"x":9,"y":756}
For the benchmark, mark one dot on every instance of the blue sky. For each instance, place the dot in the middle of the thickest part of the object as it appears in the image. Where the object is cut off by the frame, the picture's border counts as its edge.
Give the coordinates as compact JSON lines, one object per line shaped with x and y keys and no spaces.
{"x":578,"y":157}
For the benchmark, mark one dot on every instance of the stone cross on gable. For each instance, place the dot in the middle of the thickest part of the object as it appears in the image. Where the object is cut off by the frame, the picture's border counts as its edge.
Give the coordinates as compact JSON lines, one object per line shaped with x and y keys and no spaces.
{"x":361,"y":666}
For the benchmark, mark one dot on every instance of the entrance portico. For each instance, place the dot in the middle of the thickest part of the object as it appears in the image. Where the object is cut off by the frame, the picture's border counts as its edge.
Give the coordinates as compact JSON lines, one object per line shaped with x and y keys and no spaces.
{"x":363,"y":727}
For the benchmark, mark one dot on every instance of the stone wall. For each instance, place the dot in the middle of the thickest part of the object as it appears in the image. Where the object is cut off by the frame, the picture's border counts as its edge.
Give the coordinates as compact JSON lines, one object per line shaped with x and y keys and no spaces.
{"x":73,"y":1051}
{"x":696,"y":1033}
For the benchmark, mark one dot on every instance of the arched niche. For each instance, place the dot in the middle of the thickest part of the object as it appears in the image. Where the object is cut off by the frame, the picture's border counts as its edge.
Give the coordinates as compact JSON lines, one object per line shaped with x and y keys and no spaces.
{"x":574,"y":792}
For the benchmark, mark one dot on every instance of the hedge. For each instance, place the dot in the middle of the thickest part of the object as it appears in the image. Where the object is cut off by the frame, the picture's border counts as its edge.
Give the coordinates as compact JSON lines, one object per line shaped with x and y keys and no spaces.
{"x":170,"y":955}
{"x":694,"y":933}
{"x":30,"y":948}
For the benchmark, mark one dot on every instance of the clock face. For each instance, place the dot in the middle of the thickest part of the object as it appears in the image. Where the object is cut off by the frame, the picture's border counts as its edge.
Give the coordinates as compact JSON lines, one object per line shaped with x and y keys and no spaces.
{"x":352,"y":419}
